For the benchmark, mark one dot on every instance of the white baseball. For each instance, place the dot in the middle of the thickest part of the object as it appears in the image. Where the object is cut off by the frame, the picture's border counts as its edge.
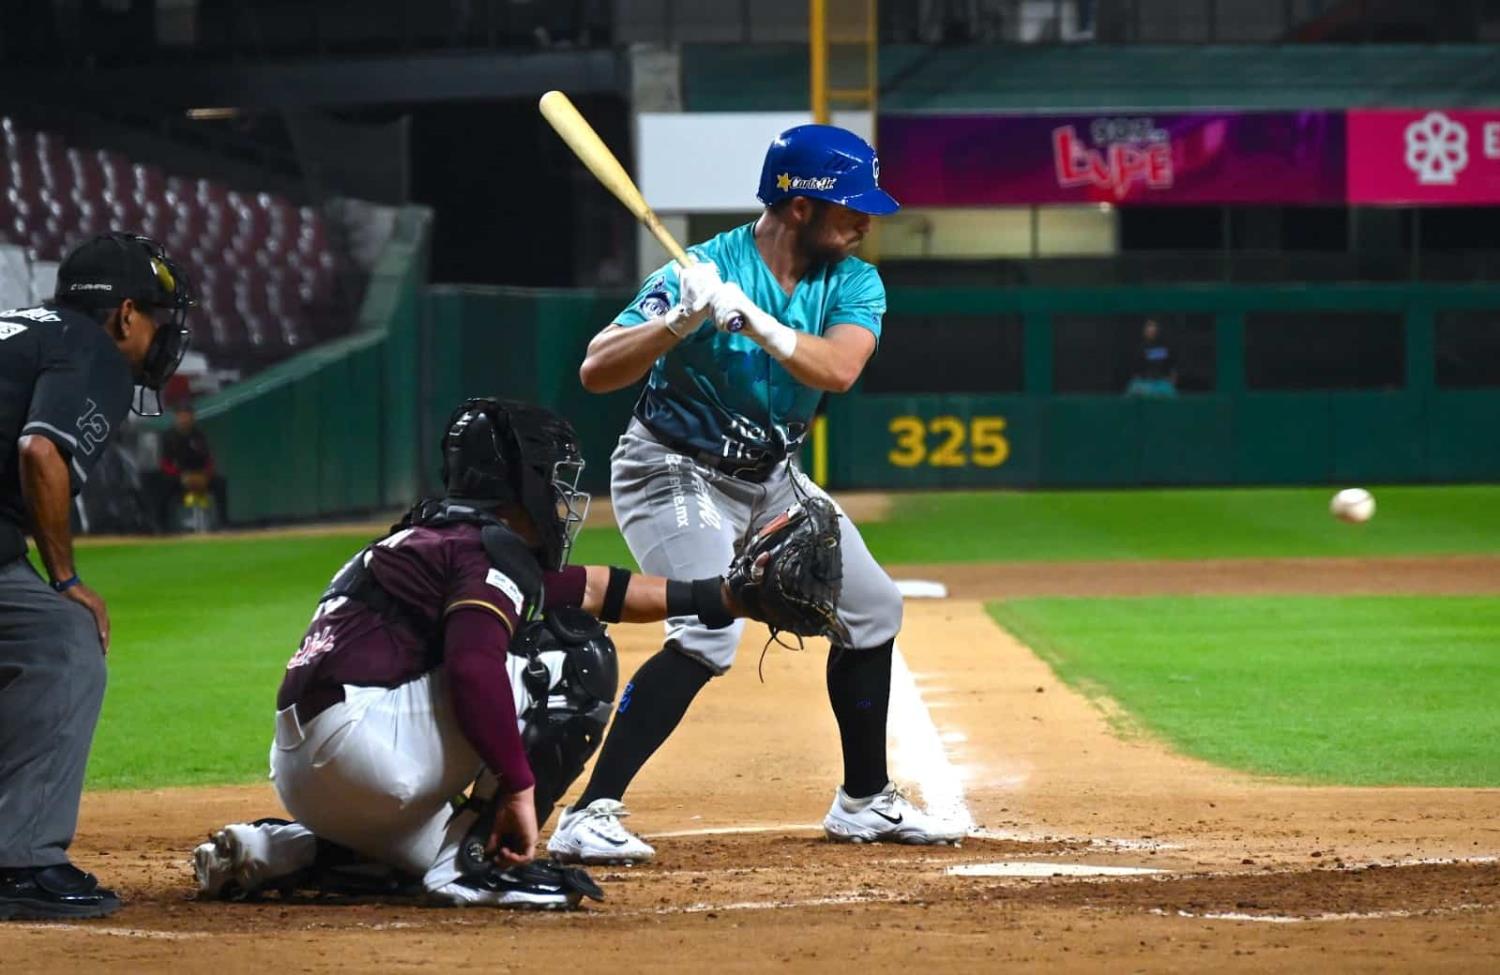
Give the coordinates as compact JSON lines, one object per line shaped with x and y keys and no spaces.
{"x":1354,"y":505}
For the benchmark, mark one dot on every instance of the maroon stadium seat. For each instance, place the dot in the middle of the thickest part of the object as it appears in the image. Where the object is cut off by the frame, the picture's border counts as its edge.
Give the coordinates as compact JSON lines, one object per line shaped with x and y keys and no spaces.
{"x":264,"y":268}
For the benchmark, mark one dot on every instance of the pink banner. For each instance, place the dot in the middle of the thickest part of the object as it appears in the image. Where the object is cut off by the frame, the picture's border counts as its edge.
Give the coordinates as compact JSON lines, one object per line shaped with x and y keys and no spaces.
{"x":1424,"y":156}
{"x":1122,"y":158}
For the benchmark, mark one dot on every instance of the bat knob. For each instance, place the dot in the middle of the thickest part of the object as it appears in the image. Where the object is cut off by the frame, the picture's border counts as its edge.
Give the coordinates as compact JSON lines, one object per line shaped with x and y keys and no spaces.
{"x":737,"y":323}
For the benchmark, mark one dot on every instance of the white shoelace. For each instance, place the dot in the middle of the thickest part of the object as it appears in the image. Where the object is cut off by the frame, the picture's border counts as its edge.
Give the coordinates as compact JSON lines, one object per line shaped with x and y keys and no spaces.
{"x":894,"y":799}
{"x":607,"y":822}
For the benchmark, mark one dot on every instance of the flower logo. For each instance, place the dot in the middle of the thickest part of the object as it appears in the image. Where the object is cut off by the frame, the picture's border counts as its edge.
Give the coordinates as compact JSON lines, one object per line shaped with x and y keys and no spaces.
{"x":1437,"y":149}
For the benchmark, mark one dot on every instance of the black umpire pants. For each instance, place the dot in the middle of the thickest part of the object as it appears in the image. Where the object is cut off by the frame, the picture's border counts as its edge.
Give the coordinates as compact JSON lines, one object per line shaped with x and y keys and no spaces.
{"x":51,"y":688}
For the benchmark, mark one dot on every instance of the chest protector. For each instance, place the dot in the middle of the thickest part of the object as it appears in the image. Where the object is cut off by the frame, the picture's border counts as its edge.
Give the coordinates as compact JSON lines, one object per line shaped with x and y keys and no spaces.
{"x":506,"y":550}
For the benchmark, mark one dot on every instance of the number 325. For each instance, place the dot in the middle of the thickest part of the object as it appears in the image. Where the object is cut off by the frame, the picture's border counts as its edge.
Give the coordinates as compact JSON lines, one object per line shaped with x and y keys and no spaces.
{"x":985,"y":436}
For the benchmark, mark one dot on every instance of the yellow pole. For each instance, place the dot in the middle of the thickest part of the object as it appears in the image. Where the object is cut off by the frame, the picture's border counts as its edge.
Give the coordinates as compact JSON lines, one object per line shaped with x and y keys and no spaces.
{"x":820,"y":450}
{"x":817,"y":43}
{"x":817,"y":40}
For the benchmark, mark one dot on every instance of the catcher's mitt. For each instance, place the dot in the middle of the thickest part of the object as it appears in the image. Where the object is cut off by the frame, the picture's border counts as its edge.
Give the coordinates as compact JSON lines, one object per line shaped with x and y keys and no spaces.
{"x":789,"y":575}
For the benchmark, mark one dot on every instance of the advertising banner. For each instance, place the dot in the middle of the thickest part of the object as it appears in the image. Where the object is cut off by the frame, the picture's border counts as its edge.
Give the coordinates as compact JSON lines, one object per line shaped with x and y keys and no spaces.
{"x":1432,"y":156}
{"x":1126,"y":158}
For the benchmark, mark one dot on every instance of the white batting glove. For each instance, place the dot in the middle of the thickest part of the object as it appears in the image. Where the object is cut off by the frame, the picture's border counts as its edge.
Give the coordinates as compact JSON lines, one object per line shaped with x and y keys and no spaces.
{"x":731,"y":306}
{"x":698,"y":282}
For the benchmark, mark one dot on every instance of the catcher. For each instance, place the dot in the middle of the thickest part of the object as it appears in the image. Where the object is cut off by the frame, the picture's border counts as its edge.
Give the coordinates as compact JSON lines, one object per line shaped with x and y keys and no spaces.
{"x":707,"y":458}
{"x":461,"y":649}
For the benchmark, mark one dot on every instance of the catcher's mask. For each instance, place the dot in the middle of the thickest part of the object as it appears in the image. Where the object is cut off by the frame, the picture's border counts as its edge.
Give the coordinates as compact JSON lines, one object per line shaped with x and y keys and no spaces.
{"x":503,"y":451}
{"x":105,"y":270}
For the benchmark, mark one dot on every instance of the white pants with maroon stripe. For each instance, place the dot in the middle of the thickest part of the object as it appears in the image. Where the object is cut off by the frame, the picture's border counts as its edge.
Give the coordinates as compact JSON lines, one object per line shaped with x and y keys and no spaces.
{"x":377,"y":773}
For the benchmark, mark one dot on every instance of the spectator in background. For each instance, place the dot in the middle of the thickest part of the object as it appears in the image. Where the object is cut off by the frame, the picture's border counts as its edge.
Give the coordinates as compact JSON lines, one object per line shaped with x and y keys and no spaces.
{"x":1154,"y":372}
{"x":188,"y":464}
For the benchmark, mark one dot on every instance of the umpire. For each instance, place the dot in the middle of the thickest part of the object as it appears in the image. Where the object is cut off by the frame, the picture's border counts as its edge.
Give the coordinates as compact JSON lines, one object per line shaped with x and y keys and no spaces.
{"x":68,"y":369}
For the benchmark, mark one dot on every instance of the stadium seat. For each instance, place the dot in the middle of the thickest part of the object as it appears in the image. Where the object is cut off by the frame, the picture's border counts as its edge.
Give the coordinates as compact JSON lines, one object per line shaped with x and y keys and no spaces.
{"x":266,"y":274}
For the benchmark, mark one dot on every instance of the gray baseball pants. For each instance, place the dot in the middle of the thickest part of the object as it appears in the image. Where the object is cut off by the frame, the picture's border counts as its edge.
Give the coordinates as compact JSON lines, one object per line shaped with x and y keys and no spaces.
{"x":51,"y":689}
{"x":681,"y":519}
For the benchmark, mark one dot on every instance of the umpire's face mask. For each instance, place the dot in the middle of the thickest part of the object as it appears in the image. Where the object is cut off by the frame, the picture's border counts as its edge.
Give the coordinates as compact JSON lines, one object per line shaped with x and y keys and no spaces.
{"x":170,"y":343}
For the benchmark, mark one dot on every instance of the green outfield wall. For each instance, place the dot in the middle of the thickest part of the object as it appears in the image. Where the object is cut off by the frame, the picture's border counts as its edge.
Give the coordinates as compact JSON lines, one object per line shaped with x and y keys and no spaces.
{"x":353,"y":426}
{"x":530,"y":343}
{"x":1407,"y":428}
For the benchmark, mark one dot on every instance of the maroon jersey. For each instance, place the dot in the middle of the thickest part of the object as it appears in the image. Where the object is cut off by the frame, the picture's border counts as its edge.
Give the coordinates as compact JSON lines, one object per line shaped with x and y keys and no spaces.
{"x":427,"y":575}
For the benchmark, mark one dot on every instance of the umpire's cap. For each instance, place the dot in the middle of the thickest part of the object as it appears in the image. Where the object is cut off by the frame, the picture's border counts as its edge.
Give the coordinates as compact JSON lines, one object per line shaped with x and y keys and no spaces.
{"x":105,"y":270}
{"x":825,"y":162}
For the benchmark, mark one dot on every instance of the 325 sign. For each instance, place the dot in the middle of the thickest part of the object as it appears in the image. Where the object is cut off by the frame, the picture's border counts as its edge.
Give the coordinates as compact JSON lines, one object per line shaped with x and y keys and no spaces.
{"x":948,"y":441}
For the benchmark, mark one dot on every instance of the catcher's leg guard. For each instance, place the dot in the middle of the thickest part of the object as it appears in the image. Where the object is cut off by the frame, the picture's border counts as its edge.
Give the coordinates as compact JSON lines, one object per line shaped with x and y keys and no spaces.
{"x":564,"y":675}
{"x":569,"y":658}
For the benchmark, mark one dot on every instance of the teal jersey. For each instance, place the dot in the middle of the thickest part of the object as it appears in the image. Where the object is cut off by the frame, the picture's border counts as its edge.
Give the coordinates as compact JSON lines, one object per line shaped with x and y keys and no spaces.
{"x":720,"y":392}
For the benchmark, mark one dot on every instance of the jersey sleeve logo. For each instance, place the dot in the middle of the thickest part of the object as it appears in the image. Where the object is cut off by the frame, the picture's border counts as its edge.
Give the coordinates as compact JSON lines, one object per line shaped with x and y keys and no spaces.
{"x":499,"y":580}
{"x":10,"y":330}
{"x":656,"y":300}
{"x":317,"y":643}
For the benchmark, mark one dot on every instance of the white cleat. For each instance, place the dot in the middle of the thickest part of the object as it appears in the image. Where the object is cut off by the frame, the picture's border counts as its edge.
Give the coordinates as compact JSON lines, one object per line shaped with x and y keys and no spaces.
{"x":886,"y":817}
{"x":221,"y":865}
{"x":594,"y":835}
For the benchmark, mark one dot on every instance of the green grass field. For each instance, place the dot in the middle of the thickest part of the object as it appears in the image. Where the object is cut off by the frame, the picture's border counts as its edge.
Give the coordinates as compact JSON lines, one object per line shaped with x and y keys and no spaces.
{"x":203,"y":628}
{"x":1367,"y":690}
{"x":1182,"y":524}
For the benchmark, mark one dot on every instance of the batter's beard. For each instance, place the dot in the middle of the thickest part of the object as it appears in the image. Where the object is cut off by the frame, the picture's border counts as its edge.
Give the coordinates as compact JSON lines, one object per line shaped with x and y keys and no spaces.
{"x":813,"y":250}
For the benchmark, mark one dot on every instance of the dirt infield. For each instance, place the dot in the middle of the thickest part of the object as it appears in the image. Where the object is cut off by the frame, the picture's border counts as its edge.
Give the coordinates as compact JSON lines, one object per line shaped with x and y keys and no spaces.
{"x":1249,"y":874}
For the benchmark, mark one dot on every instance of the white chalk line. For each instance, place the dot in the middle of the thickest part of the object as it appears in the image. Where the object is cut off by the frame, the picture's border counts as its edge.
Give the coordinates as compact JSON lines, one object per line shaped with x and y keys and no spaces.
{"x":1043,"y":869}
{"x":835,"y":900}
{"x":1320,"y":918}
{"x":110,"y":931}
{"x":1098,"y":842}
{"x":736,"y":830}
{"x":919,"y":755}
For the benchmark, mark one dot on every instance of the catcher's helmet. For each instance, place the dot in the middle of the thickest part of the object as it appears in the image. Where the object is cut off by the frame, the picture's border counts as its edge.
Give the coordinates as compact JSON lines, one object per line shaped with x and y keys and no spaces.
{"x":502,"y":451}
{"x":105,"y":270}
{"x":824,"y":162}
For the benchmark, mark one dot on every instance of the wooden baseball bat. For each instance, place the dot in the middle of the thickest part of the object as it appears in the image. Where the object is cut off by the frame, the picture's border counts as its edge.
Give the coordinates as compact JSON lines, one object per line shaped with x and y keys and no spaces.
{"x":564,"y":117}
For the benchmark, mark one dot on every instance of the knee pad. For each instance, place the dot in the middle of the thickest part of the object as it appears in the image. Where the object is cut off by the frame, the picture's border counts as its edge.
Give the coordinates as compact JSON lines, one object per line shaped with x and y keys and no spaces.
{"x":571,"y":677}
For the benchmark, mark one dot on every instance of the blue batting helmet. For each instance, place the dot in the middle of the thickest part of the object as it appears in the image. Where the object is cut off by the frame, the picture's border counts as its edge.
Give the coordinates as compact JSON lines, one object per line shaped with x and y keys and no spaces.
{"x":824,"y":162}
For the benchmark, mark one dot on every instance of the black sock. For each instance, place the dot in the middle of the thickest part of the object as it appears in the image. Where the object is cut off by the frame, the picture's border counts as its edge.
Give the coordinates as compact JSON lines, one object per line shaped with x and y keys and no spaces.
{"x":650,"y":708}
{"x":859,"y":688}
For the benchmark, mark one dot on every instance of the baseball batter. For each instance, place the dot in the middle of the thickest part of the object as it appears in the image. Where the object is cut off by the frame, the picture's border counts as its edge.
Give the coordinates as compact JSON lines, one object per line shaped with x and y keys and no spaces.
{"x":425,"y":669}
{"x":706,"y":459}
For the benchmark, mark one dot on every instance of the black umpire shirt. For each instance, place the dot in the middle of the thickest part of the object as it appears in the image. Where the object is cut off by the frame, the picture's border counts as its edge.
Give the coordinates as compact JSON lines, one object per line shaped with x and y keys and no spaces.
{"x":62,"y":377}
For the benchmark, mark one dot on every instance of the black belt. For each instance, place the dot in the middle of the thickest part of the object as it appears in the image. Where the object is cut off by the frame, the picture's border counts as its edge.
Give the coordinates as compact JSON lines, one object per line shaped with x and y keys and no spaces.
{"x":755,"y":472}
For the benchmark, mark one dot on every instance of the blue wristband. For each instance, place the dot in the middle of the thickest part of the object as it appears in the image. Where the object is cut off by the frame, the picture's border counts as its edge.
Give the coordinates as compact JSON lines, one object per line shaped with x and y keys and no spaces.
{"x":67,"y":583}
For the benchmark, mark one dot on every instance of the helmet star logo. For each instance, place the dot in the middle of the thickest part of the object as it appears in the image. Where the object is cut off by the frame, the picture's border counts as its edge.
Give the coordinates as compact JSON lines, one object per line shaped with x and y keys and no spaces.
{"x":784,"y":182}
